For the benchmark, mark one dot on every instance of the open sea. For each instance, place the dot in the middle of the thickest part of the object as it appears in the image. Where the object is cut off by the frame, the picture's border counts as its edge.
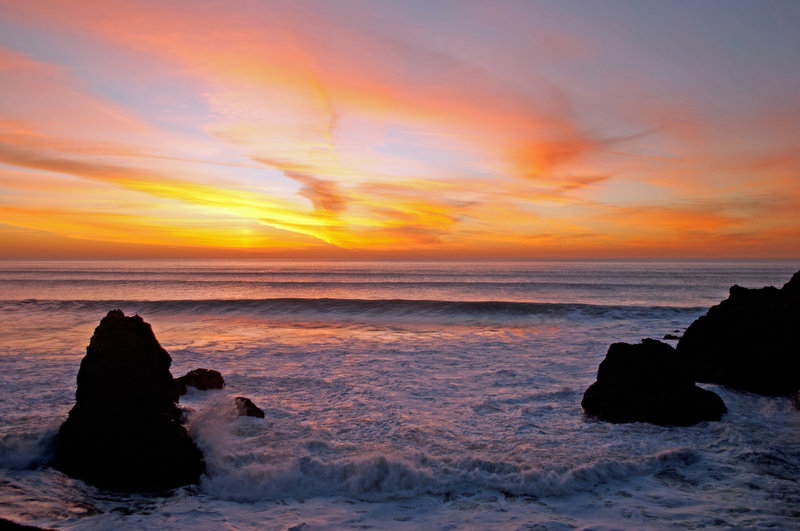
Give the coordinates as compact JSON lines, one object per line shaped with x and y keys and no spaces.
{"x":398,"y":395}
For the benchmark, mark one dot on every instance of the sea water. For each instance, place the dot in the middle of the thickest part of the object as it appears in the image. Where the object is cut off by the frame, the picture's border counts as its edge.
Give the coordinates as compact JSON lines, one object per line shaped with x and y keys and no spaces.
{"x":399,"y":395}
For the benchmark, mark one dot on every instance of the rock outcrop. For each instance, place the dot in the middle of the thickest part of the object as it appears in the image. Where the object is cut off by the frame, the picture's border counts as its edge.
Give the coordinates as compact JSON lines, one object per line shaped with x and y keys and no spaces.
{"x":10,"y":525}
{"x":750,"y":341}
{"x":647,"y":383}
{"x":123,"y":431}
{"x":201,"y":379}
{"x":205,"y":379}
{"x":246,"y":408}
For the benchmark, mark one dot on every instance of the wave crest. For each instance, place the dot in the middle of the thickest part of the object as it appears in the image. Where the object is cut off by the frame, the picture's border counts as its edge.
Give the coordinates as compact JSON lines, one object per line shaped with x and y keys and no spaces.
{"x":380,"y":478}
{"x":334,"y":309}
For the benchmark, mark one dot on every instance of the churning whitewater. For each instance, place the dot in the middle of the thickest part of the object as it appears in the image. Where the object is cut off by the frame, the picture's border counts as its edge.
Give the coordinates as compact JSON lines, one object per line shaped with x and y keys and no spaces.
{"x":397,"y":395}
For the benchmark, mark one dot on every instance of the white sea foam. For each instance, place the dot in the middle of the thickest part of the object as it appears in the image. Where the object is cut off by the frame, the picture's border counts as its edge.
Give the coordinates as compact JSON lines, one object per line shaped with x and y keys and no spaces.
{"x":394,"y":407}
{"x":26,"y":449}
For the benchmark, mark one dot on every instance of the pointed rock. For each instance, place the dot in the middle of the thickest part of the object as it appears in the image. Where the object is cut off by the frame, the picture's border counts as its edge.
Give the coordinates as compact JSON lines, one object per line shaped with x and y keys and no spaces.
{"x":246,"y":408}
{"x":123,"y":431}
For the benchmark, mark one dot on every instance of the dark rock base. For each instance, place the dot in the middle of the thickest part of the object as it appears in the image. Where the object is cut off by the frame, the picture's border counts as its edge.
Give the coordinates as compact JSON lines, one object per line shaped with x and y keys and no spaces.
{"x":680,"y":407}
{"x":9,"y":525}
{"x":646,"y":383}
{"x":130,"y":455}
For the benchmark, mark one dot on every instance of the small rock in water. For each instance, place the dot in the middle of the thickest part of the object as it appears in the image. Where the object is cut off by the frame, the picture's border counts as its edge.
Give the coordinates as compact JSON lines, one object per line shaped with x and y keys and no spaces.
{"x":647,"y":383}
{"x":246,"y":408}
{"x":671,"y":336}
{"x":200,"y":379}
{"x":124,"y":430}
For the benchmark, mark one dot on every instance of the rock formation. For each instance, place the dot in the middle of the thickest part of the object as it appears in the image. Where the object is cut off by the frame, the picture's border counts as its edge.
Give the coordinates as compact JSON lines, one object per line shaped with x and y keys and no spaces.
{"x":10,"y":525}
{"x":205,"y":379}
{"x":123,"y":431}
{"x":246,"y":408}
{"x":647,"y":383}
{"x":750,"y":341}
{"x":201,"y":379}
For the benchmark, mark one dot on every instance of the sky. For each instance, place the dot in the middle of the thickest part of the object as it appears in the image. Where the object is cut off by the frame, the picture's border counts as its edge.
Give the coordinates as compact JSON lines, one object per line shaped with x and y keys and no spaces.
{"x":400,"y":129}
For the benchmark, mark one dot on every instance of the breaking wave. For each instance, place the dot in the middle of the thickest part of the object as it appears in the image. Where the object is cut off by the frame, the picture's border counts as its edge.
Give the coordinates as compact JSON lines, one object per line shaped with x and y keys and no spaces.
{"x":335,"y":309}
{"x":378,"y":477}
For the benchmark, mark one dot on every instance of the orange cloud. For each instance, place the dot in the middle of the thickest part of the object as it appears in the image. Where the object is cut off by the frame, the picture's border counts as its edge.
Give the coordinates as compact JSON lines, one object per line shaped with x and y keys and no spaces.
{"x":306,"y":130}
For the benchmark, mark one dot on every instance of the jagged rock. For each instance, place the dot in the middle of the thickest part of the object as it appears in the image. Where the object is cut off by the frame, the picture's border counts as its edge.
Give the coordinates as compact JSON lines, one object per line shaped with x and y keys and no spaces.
{"x":201,"y":379}
{"x":124,"y":430}
{"x":750,"y":341}
{"x":246,"y":408}
{"x":647,"y":383}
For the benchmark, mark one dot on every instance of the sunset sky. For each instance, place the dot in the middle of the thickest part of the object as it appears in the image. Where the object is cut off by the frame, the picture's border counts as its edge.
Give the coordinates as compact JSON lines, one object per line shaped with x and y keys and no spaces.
{"x":399,"y":129}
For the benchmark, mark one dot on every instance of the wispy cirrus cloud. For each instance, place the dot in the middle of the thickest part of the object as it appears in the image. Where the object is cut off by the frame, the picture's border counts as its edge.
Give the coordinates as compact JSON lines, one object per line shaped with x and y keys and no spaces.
{"x":356,"y":126}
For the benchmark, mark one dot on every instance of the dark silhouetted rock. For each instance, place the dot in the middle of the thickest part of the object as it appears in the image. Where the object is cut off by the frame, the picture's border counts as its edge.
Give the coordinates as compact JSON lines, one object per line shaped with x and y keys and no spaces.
{"x":750,"y":341}
{"x":671,"y":336}
{"x":246,"y":408}
{"x":647,"y":383}
{"x":9,"y":525}
{"x":124,"y":430}
{"x":201,"y":379}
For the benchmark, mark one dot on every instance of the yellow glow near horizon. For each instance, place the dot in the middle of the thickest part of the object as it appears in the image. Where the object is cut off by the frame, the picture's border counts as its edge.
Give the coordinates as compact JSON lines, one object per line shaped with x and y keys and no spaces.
{"x":302,"y":130}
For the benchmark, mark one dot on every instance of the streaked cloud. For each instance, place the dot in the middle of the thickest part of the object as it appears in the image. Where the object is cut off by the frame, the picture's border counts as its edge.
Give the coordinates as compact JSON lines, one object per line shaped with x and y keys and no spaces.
{"x":450,"y":129}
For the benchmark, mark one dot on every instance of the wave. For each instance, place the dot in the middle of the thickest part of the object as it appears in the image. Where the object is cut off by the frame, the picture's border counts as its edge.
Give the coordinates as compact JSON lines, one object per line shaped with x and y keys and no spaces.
{"x":405,"y":310}
{"x":23,"y":449}
{"x":379,"y":478}
{"x":372,"y":476}
{"x":350,"y":283}
{"x":254,"y":470}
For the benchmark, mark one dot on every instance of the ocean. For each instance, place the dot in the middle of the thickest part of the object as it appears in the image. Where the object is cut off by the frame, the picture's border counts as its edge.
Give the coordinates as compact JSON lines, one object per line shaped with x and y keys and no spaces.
{"x":398,"y":395}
